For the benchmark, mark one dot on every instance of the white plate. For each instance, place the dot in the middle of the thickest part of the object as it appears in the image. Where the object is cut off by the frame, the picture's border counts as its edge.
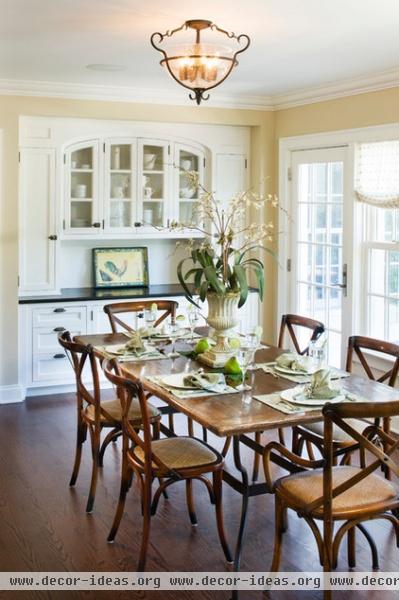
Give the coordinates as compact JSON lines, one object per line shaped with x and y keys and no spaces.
{"x":291,"y":395}
{"x":176,"y":380}
{"x":291,"y":372}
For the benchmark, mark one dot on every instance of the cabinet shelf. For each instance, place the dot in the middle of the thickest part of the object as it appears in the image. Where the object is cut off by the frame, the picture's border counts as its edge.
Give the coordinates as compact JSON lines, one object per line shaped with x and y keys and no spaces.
{"x":152,"y":172}
{"x":122,"y":171}
{"x":81,"y":170}
{"x":73,"y":199}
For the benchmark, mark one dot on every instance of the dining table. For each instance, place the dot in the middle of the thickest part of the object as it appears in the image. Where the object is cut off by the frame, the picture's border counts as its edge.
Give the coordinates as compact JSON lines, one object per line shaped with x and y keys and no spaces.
{"x":237,"y":415}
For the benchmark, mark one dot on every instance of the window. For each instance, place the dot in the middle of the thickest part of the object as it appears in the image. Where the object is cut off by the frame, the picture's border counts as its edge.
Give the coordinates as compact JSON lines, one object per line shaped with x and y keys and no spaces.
{"x":378,"y":186}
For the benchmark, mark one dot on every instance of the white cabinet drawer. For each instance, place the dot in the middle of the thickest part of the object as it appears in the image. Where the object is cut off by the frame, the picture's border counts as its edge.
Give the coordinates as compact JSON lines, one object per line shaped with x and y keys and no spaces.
{"x":45,"y":340}
{"x":59,"y":316}
{"x":47,"y":367}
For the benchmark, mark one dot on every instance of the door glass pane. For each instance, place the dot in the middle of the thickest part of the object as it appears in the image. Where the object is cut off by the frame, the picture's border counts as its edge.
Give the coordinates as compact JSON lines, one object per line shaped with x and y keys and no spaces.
{"x":81,"y":188}
{"x":120,"y":191}
{"x":188,"y":193}
{"x":319,"y":250}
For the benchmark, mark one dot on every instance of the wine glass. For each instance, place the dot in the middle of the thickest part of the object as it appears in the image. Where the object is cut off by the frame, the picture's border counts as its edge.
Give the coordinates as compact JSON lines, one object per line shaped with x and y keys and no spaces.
{"x":193,"y":318}
{"x":173,"y":332}
{"x":252,"y":340}
{"x":245,"y":356}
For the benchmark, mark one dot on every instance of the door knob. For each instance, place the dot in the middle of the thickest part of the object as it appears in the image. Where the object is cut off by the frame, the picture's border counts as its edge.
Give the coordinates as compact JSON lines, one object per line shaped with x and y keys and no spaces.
{"x":96,"y":224}
{"x":52,"y":237}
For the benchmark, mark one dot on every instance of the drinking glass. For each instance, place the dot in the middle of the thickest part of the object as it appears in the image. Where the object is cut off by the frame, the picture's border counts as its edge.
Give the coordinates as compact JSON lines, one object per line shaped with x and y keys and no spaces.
{"x":173,"y":332}
{"x":193,"y":318}
{"x":245,"y":356}
{"x":252,"y":340}
{"x":150,"y":316}
{"x":317,"y":353}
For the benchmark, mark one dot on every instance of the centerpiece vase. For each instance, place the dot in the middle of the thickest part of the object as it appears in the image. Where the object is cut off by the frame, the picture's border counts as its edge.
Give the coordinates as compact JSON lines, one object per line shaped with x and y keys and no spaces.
{"x":222,"y":317}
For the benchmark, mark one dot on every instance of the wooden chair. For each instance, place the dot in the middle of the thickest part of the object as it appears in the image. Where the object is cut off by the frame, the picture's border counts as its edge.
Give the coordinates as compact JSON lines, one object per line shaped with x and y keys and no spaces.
{"x":288,"y":322}
{"x":168,"y":308}
{"x":322,"y":491}
{"x":95,"y":415}
{"x":168,"y":459}
{"x":312,"y":434}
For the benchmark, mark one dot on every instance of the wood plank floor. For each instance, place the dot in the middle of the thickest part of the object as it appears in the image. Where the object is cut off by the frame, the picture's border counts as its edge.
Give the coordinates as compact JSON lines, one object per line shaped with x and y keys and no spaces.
{"x":44,"y":526}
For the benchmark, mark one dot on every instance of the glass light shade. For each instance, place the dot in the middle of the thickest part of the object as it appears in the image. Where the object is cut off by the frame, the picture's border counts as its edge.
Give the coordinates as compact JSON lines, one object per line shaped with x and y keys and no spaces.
{"x":200,"y":65}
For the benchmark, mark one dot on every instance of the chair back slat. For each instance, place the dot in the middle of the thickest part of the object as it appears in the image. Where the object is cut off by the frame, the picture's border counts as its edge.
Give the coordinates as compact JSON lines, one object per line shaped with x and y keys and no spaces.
{"x":127,"y":390}
{"x":289,"y":321}
{"x":166,"y":307}
{"x":79,"y":355}
{"x":357,"y":344}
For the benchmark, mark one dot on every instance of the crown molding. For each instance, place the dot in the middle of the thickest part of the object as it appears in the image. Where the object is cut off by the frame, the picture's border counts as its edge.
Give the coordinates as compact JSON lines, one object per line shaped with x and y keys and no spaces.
{"x":322,"y":93}
{"x":338,"y":89}
{"x":82,"y":91}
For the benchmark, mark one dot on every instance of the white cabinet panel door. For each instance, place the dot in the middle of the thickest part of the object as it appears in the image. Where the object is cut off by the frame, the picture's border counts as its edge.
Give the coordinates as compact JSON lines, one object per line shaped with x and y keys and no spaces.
{"x":37,"y":220}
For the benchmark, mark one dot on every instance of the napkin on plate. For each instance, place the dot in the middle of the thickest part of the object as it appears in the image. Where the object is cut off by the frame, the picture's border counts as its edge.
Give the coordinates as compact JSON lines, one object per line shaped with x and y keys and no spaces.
{"x":212,"y":382}
{"x":294,"y":362}
{"x":320,"y":386}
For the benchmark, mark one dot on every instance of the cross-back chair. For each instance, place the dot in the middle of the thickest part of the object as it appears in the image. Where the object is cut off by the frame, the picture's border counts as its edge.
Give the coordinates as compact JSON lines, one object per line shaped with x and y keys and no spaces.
{"x":169,"y":460}
{"x":288,"y":322}
{"x":323,"y":491}
{"x":94,"y":414}
{"x":312,"y":434}
{"x":166,"y":307}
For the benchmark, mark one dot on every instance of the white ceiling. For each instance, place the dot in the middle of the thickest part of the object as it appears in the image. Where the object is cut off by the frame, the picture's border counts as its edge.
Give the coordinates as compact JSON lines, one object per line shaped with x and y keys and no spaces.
{"x":295,"y":44}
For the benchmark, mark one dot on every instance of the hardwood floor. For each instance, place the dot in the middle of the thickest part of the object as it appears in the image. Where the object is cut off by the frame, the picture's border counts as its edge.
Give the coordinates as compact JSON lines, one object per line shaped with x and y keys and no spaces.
{"x":44,"y":526}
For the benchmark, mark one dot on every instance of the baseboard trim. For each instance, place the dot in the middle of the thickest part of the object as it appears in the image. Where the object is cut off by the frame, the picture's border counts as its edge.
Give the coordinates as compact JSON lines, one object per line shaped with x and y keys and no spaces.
{"x":10,"y":394}
{"x":58,"y":389}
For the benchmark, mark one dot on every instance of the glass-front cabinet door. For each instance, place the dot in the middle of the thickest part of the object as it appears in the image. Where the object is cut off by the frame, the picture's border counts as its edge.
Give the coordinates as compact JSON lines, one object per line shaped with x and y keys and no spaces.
{"x":82,"y":205}
{"x":189,"y":162}
{"x":153,"y":183}
{"x":120,"y":198}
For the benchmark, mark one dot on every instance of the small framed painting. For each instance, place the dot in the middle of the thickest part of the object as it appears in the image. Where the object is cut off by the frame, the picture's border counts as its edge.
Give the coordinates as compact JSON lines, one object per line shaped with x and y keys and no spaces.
{"x":120,"y":267}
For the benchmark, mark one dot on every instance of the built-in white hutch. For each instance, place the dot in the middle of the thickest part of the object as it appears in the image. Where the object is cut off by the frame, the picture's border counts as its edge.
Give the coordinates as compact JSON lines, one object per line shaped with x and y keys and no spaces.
{"x":87,"y":183}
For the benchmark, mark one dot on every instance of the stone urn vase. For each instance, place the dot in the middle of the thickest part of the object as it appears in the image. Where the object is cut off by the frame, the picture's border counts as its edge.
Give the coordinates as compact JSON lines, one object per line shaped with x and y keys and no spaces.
{"x":222,"y":317}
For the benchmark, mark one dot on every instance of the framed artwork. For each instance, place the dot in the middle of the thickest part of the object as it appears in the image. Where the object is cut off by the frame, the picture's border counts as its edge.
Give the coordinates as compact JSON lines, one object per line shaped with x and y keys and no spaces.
{"x":120,"y":267}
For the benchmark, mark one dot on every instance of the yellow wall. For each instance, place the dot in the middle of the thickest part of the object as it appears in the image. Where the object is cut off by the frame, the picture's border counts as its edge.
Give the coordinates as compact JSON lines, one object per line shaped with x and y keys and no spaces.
{"x":10,"y":110}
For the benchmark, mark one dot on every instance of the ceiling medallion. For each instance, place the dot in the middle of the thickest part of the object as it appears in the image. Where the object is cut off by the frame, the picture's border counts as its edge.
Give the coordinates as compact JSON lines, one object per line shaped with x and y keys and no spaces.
{"x":202,"y":64}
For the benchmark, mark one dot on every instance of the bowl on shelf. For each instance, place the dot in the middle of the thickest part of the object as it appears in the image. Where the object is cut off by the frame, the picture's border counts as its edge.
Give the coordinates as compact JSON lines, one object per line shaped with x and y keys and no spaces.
{"x":187,"y":192}
{"x":149,"y":161}
{"x":80,"y":223}
{"x":85,"y":166}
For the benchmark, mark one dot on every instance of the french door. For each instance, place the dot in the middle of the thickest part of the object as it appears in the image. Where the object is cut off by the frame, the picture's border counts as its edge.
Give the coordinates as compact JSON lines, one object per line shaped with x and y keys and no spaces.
{"x":320,"y":244}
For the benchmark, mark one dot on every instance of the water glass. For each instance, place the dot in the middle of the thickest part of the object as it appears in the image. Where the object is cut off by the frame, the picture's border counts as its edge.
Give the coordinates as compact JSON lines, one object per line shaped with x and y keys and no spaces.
{"x":150,"y":316}
{"x":173,"y":332}
{"x":317,"y":354}
{"x":252,"y":340}
{"x":245,"y":356}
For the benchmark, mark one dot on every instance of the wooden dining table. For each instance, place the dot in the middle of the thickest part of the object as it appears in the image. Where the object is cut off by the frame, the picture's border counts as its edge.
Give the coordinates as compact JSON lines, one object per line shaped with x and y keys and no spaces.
{"x":238,"y":414}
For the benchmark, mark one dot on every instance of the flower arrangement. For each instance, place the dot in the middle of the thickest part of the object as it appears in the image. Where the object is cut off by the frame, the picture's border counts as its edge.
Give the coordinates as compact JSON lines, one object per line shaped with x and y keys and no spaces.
{"x":222,"y":262}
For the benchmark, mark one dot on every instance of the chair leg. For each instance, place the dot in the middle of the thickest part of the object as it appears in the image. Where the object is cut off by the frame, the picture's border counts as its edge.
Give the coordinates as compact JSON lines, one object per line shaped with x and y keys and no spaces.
{"x":309,"y":450}
{"x":352,"y":547}
{"x":255,"y":469}
{"x":190,"y":502}
{"x":297,"y":442}
{"x":278,"y":533}
{"x":146,"y":506}
{"x":373,"y":547}
{"x":80,"y":440}
{"x":112,"y":436}
{"x":217,"y":489}
{"x":126,"y":477}
{"x":95,"y":451}
{"x":281,"y":436}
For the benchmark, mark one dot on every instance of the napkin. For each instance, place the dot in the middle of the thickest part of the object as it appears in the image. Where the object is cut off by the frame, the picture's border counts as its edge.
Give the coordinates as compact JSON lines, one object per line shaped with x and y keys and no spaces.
{"x":320,"y":386}
{"x":206,"y":381}
{"x":294,"y":362}
{"x":135,"y":342}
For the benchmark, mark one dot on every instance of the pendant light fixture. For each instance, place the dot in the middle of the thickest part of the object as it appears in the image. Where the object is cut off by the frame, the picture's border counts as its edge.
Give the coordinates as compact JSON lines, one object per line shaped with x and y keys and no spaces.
{"x":203,"y":63}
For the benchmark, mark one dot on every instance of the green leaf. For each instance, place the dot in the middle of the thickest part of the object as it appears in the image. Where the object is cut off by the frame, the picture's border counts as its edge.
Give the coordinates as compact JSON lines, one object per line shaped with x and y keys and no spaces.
{"x":203,"y":290}
{"x":211,"y":275}
{"x":260,"y":278}
{"x":192,"y":272}
{"x":242,"y":280}
{"x":197,"y":278}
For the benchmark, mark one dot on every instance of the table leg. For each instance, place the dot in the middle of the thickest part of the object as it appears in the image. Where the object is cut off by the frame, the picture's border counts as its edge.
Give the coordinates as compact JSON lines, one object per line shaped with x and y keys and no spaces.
{"x":244,"y":507}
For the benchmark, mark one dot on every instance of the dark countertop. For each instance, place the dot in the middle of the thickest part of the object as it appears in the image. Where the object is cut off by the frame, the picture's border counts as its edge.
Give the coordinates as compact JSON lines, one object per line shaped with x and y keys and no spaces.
{"x":87,"y":294}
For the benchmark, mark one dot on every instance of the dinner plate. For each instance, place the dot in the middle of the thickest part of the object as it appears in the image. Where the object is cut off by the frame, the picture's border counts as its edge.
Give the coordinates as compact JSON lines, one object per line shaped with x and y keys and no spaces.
{"x":295,"y":397}
{"x":291,"y":372}
{"x":176,"y":380}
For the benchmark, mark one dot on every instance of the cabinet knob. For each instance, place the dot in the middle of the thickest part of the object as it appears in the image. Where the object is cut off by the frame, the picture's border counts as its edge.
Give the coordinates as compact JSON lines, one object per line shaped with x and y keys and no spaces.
{"x":59,"y":310}
{"x":137,"y":224}
{"x":59,"y":329}
{"x":52,"y":237}
{"x":59,"y":356}
{"x":96,"y":225}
